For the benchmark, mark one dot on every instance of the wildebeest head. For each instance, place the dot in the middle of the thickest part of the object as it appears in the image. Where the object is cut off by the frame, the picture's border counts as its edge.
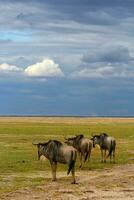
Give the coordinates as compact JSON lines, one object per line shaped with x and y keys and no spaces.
{"x":95,"y":139}
{"x":69,"y":141}
{"x":98,"y":139}
{"x":72,"y":140}
{"x":42,"y":147}
{"x":106,"y":143}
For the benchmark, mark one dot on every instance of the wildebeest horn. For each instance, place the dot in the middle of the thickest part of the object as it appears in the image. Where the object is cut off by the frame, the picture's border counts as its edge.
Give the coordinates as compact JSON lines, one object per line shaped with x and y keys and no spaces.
{"x":37,"y":143}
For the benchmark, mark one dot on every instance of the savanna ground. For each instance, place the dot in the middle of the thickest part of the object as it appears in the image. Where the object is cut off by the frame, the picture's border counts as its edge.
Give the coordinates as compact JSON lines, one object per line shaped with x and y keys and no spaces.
{"x":22,"y":176}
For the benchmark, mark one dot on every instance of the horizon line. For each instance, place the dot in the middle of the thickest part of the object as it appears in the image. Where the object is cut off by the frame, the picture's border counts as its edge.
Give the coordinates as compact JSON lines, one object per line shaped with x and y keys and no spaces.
{"x":78,"y":116}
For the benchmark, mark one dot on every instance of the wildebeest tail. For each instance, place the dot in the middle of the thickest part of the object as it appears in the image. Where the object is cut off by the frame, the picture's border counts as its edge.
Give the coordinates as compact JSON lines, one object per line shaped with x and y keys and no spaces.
{"x":86,"y":156}
{"x":72,"y":162}
{"x":87,"y":152}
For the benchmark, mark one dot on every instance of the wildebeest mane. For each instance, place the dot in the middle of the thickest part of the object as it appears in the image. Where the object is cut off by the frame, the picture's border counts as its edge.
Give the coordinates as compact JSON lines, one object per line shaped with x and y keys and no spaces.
{"x":79,"y":136}
{"x":54,"y":145}
{"x":76,"y":137}
{"x":98,"y":136}
{"x":104,"y":134}
{"x":71,"y":138}
{"x":58,"y":143}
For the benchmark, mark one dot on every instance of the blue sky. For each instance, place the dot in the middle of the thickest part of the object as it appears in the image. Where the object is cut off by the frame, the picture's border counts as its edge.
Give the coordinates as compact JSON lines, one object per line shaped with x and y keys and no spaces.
{"x":72,"y":57}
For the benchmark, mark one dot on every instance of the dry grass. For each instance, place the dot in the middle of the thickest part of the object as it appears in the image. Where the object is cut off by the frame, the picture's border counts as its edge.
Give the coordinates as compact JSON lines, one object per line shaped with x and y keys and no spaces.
{"x":67,"y":120}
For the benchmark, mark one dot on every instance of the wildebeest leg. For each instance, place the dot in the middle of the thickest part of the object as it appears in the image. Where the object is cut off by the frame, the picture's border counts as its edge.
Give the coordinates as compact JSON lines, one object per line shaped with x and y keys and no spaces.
{"x":89,"y":154}
{"x":38,"y":155}
{"x":80,"y":160}
{"x":114,"y":156}
{"x":102,"y":155}
{"x":88,"y":157}
{"x":105,"y":156}
{"x":111,"y":157}
{"x":73,"y":175}
{"x":79,"y":154}
{"x":53,"y":166}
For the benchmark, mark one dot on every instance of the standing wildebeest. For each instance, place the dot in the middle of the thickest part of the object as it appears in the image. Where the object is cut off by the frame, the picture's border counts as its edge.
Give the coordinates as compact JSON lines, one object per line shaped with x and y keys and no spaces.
{"x":55,"y":152}
{"x":83,"y":146}
{"x":106,"y":143}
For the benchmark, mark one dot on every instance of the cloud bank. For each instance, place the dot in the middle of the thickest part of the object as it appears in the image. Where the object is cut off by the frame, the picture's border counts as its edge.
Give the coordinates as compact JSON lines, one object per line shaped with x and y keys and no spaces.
{"x":106,"y":62}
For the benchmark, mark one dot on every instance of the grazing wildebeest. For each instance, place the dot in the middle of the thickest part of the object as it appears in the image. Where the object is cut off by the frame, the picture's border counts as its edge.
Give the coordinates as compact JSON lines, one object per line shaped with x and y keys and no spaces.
{"x":106,"y":143}
{"x":56,"y":152}
{"x":83,"y":146}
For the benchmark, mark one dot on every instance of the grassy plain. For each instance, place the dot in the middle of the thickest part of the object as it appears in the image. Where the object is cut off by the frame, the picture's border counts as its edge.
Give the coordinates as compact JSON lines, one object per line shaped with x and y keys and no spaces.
{"x":19,"y":166}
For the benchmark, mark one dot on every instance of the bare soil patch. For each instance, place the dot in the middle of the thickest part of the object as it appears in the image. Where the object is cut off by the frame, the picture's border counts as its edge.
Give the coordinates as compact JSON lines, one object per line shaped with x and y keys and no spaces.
{"x":110,"y":183}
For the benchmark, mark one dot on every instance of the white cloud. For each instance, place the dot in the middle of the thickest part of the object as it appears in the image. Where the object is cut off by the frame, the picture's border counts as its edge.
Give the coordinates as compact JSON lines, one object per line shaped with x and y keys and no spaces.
{"x":46,"y":68}
{"x":6,"y":68}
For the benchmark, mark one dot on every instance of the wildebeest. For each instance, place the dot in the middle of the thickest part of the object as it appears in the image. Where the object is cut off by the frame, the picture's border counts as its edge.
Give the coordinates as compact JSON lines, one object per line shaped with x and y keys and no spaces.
{"x":83,"y":146}
{"x":56,"y":152}
{"x":106,"y":143}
